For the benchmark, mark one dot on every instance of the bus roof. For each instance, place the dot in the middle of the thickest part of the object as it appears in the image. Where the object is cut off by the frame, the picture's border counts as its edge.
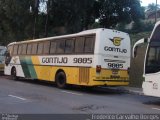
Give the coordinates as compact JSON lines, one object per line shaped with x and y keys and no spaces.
{"x":86,"y":32}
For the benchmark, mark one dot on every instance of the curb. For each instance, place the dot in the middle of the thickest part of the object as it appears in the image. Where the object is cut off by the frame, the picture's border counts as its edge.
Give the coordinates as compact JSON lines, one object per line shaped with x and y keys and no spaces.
{"x":131,"y":91}
{"x":127,"y":90}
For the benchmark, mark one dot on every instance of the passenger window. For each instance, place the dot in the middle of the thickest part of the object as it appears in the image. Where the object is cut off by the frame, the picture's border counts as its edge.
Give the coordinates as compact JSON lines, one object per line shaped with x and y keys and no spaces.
{"x":40,"y":48}
{"x":69,"y":48}
{"x":89,"y":44}
{"x":10,"y":49}
{"x":20,"y":49}
{"x":24,"y":49}
{"x":34,"y":48}
{"x":53,"y":48}
{"x":15,"y":49}
{"x":60,"y":46}
{"x":46,"y":47}
{"x":29,"y":49}
{"x":79,"y":45}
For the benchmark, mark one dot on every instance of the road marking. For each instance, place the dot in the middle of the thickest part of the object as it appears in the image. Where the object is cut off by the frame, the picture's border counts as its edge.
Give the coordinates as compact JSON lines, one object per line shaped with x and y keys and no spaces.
{"x":71,"y":92}
{"x":17,"y":97}
{"x":156,"y":109}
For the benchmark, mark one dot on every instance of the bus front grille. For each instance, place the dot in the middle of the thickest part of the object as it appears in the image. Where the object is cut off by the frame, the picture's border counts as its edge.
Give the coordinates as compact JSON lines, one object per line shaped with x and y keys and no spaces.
{"x":84,"y":75}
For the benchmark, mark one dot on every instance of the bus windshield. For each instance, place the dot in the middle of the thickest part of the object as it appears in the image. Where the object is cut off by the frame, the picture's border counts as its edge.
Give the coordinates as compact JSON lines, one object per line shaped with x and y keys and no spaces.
{"x":153,"y":58}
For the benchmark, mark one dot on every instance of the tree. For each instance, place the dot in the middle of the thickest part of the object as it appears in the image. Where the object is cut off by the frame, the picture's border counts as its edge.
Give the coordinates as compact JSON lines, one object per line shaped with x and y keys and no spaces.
{"x":15,"y":19}
{"x":25,"y":19}
{"x":74,"y":15}
{"x":117,"y":11}
{"x":152,"y":7}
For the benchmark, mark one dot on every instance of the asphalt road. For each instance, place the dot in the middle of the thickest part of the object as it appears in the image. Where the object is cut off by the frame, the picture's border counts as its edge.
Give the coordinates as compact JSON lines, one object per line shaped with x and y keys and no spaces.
{"x":33,"y":97}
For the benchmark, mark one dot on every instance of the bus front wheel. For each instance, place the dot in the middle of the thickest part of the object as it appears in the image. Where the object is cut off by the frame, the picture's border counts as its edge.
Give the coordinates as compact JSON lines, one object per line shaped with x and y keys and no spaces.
{"x":61,"y":79}
{"x":14,"y":73}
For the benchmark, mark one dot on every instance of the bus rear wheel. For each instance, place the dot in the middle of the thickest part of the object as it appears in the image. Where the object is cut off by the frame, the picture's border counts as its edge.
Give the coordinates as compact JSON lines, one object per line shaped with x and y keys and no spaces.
{"x":14,"y":74}
{"x":61,"y":79}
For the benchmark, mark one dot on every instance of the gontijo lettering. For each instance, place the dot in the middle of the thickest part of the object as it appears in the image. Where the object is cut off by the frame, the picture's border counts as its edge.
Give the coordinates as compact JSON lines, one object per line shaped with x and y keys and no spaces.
{"x":114,"y":49}
{"x":54,"y":60}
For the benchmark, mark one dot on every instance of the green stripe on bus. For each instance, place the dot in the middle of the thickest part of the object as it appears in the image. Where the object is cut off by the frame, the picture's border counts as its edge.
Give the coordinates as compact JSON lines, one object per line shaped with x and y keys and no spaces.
{"x":25,"y":67}
{"x":31,"y":68}
{"x":28,"y":67}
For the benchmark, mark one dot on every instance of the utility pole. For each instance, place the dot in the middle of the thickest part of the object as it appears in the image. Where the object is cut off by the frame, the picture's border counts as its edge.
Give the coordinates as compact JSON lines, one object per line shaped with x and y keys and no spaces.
{"x":156,"y":12}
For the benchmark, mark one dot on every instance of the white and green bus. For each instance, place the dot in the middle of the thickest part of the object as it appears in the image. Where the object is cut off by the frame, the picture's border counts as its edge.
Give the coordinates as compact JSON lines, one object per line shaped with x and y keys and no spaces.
{"x":98,"y":57}
{"x":151,"y":83}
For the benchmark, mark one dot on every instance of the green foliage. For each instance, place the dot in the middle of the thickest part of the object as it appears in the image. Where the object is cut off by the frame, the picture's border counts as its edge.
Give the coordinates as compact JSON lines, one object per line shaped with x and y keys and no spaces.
{"x":74,"y":15}
{"x":137,"y":36}
{"x":15,"y":17}
{"x":141,"y":26}
{"x":27,"y":19}
{"x":152,"y":7}
{"x":118,"y":11}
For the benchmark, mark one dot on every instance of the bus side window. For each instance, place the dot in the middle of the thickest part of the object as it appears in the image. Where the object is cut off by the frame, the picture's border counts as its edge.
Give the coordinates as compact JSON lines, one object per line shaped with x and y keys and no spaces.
{"x":20,"y":49}
{"x":29,"y":49}
{"x":40,"y":48}
{"x":46,"y":47}
{"x":89,"y":44}
{"x":69,"y":48}
{"x":79,"y":45}
{"x":10,"y":49}
{"x":15,"y":49}
{"x":53,"y":48}
{"x":34,"y":48}
{"x":60,"y":46}
{"x":152,"y":60}
{"x":24,"y":49}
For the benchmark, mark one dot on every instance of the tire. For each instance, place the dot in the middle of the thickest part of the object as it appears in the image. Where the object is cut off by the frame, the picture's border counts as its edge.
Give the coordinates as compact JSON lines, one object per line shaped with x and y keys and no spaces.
{"x":61,"y":80}
{"x":14,"y":74}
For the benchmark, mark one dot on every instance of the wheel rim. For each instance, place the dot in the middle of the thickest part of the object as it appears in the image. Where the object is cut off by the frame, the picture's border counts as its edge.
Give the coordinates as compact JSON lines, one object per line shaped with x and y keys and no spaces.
{"x":61,"y":80}
{"x":14,"y":73}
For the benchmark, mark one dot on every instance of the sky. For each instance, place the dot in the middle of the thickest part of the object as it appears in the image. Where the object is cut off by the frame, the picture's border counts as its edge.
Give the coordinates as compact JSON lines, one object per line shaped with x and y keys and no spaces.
{"x":146,"y":2}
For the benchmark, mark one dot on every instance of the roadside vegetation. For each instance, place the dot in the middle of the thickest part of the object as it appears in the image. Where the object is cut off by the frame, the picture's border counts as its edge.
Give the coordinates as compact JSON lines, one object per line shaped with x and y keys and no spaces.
{"x":28,"y":19}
